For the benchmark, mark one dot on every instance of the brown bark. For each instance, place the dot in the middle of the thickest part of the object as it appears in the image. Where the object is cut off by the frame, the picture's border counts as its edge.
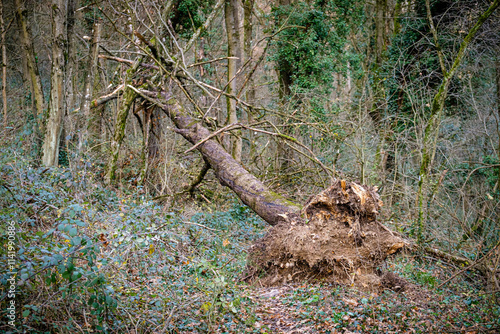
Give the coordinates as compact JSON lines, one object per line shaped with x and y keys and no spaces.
{"x":119,"y":133}
{"x":269,"y":205}
{"x":247,"y":50}
{"x":32,"y":66}
{"x":497,"y":79}
{"x":380,"y":21}
{"x":89,"y":82}
{"x":71,"y":67}
{"x":233,"y":63}
{"x":71,"y":77}
{"x":56,"y":103}
{"x":4,"y":66}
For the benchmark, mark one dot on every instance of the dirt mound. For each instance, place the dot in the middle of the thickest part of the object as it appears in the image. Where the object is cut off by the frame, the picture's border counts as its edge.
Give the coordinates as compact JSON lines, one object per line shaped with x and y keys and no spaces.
{"x":337,"y":238}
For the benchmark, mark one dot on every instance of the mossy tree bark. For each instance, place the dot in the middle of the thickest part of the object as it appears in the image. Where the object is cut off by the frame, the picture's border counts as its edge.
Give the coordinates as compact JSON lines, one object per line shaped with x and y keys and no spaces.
{"x":269,"y":205}
{"x":248,"y":6}
{"x":431,"y":131}
{"x":32,"y":67}
{"x":4,"y":66}
{"x":71,"y":61}
{"x":233,"y":63}
{"x":119,"y":133}
{"x":497,"y":79}
{"x":126,"y":102}
{"x":56,"y":104}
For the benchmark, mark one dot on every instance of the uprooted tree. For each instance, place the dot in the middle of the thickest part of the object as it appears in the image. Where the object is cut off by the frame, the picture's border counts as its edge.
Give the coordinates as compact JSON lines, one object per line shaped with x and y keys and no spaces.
{"x":335,"y":236}
{"x":301,"y":128}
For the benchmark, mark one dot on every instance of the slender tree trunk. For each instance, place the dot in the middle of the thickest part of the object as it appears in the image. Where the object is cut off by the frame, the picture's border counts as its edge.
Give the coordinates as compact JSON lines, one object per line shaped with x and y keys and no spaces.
{"x":71,"y":52}
{"x":431,"y":131}
{"x":121,"y":120}
{"x":233,"y":50}
{"x":247,"y":50}
{"x":497,"y":79}
{"x":148,"y":110}
{"x":247,"y":43}
{"x":32,"y":67}
{"x":56,"y":102}
{"x":384,"y":157}
{"x":71,"y":77}
{"x":4,"y":65}
{"x":119,"y":132}
{"x":284,"y":155}
{"x":88,"y":84}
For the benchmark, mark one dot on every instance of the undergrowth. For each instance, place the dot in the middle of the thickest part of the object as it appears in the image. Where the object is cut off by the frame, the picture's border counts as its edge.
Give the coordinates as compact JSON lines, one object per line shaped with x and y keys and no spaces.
{"x":95,"y":259}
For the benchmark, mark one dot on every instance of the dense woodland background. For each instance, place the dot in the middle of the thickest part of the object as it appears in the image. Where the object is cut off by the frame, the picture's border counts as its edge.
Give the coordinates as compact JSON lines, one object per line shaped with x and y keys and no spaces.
{"x":107,"y":193}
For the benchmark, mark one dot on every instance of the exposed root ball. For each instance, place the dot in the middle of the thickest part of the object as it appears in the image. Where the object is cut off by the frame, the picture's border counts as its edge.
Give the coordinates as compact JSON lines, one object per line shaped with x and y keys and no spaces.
{"x":336,"y":239}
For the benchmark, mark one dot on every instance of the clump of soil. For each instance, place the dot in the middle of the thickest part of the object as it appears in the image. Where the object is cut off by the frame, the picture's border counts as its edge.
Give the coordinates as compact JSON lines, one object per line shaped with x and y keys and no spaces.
{"x":336,"y":238}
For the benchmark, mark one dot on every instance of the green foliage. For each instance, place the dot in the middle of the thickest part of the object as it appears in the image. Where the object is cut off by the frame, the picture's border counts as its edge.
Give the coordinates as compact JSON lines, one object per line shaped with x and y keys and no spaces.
{"x":412,"y":64}
{"x":102,"y":256}
{"x":189,"y":15}
{"x":311,"y":44}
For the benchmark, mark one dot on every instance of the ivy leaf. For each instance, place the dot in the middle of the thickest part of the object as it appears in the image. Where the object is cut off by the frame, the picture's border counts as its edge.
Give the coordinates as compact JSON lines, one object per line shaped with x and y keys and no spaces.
{"x":73,"y":232}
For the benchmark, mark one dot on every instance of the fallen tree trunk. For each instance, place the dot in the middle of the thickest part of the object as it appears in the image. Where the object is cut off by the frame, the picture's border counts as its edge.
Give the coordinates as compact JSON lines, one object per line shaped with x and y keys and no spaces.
{"x":272,"y":207}
{"x":334,"y":236}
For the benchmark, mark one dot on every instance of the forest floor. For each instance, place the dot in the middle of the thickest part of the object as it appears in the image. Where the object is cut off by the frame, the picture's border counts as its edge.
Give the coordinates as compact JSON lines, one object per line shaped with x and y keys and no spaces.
{"x":95,"y":259}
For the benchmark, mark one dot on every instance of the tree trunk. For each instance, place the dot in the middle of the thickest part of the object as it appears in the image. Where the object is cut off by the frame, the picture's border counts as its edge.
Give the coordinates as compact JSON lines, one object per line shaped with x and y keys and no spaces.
{"x":119,"y":132}
{"x":431,"y":131}
{"x":4,"y":66}
{"x":89,"y":83}
{"x":121,"y":120}
{"x":233,"y":51}
{"x":146,"y":135}
{"x":71,"y":76}
{"x":384,"y":157}
{"x":247,"y":50}
{"x":56,"y":102}
{"x":32,"y":66}
{"x":497,"y":79}
{"x":269,"y":205}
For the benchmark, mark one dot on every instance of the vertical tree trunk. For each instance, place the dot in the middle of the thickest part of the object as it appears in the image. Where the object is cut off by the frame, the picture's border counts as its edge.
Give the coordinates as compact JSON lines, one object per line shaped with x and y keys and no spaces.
{"x":4,"y":65}
{"x":431,"y":131}
{"x":233,"y":50}
{"x":497,"y":77}
{"x":119,"y":132}
{"x":146,"y":127}
{"x":247,"y":50}
{"x":56,"y":102}
{"x":247,"y":43}
{"x":71,"y":54}
{"x":88,"y":84}
{"x":71,"y":77}
{"x":32,"y":66}
{"x":121,"y":120}
{"x":384,"y":157}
